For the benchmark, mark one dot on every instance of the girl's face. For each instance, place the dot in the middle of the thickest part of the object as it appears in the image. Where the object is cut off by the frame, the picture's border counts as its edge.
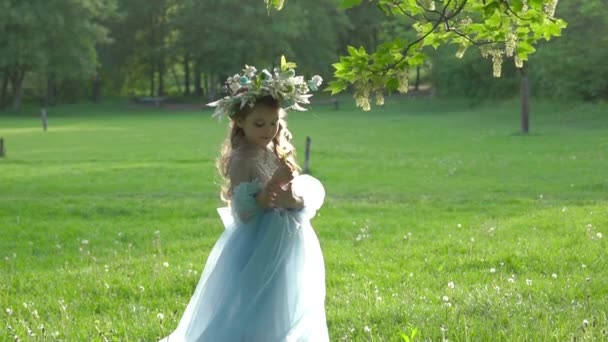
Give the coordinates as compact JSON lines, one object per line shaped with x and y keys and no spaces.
{"x":261,"y":125}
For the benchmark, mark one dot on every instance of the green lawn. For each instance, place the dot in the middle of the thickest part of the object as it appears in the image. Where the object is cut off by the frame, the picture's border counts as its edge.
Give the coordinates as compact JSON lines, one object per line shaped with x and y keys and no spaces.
{"x":439,"y":217}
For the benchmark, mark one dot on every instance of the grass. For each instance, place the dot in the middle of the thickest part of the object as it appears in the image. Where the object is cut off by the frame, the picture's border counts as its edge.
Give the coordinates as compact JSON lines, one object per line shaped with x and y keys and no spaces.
{"x":440,"y":217}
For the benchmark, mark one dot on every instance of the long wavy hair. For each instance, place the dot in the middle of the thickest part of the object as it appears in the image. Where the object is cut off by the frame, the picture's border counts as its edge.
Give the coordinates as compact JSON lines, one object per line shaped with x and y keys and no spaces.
{"x":281,"y":143}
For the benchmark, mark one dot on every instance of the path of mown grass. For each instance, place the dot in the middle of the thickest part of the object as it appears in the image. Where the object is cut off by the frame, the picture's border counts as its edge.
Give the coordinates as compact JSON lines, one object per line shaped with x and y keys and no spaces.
{"x":439,"y":216}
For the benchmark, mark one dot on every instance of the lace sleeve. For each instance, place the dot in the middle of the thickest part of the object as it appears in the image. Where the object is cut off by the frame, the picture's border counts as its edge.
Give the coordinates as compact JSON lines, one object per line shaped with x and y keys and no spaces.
{"x":244,"y":205}
{"x":245,"y":187}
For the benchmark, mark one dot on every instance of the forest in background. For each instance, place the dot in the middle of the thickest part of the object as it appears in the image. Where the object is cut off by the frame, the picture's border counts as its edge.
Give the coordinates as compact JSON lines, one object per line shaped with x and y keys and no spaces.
{"x":64,"y":51}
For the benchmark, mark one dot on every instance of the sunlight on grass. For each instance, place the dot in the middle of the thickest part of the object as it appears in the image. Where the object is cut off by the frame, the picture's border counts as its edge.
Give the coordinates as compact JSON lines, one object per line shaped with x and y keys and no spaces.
{"x":440,"y":221}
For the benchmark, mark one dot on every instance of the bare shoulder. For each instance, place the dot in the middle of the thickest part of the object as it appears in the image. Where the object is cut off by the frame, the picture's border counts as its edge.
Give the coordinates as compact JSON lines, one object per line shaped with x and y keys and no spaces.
{"x":241,"y":166}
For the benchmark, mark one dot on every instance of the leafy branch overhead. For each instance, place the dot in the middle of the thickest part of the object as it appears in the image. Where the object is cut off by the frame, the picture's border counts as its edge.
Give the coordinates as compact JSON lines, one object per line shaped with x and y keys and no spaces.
{"x":499,"y":29}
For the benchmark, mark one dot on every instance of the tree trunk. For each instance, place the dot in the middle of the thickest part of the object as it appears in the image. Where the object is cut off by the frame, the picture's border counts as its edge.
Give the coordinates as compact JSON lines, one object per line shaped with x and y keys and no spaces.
{"x":51,"y":89}
{"x":525,"y":102}
{"x":17,"y":85}
{"x":161,"y":78}
{"x":152,"y":78}
{"x":198,"y":89}
{"x":96,"y":96}
{"x":161,"y":54}
{"x":4,"y":91}
{"x":187,"y":74}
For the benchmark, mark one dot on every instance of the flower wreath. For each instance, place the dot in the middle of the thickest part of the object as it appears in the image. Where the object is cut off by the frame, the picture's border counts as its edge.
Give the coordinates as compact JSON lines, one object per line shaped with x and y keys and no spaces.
{"x":283,"y":85}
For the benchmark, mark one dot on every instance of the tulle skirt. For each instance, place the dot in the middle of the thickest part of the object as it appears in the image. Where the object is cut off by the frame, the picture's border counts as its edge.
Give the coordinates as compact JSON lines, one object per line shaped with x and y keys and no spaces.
{"x":263,"y":281}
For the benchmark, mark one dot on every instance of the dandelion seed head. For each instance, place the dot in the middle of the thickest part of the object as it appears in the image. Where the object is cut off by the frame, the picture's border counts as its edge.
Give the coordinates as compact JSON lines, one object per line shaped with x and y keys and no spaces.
{"x":492,"y":270}
{"x":451,"y":284}
{"x":165,"y":264}
{"x":367,"y":329}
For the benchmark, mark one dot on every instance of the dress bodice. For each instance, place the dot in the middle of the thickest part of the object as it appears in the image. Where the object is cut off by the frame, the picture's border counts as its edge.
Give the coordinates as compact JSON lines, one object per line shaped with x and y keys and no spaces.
{"x":262,"y":162}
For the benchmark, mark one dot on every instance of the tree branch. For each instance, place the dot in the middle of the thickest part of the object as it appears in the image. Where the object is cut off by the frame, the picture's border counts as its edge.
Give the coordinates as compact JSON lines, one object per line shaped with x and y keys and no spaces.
{"x":406,"y":49}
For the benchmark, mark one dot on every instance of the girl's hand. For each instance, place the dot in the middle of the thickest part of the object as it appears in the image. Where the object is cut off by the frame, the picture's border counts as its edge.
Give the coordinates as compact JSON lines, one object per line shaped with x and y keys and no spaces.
{"x":284,"y":198}
{"x":281,"y":176}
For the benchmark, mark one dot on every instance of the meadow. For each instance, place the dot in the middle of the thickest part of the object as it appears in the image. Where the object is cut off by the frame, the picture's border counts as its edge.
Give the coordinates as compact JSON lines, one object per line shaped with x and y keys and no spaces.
{"x":441,"y":220}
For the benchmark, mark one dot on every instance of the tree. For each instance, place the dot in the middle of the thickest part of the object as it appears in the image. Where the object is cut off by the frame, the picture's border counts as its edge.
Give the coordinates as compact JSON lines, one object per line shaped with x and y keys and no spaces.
{"x":499,"y":28}
{"x":56,"y":37}
{"x":217,"y":46}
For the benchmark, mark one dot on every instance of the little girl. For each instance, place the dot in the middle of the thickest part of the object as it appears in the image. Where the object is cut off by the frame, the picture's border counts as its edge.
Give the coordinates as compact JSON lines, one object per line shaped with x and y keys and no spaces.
{"x":264,"y":279}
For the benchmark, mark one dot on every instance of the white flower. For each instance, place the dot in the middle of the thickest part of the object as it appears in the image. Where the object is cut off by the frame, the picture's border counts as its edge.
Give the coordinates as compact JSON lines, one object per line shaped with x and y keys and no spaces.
{"x":584,"y":266}
{"x":599,"y":235}
{"x":529,"y":282}
{"x":84,"y":242}
{"x":141,"y":288}
{"x":160,"y":316}
{"x":367,"y":329}
{"x":549,"y":8}
{"x":165,"y":264}
{"x":55,"y":334}
{"x":492,"y":270}
{"x":511,"y":280}
{"x":459,"y":225}
{"x":9,"y":311}
{"x":446,"y":299}
{"x":585,"y":323}
{"x":249,"y":71}
{"x":554,"y":276}
{"x":451,"y":284}
{"x":564,"y":209}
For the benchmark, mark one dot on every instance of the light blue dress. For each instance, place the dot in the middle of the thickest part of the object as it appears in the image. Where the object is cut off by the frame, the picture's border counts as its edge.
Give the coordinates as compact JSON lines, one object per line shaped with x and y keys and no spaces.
{"x":264,"y":280}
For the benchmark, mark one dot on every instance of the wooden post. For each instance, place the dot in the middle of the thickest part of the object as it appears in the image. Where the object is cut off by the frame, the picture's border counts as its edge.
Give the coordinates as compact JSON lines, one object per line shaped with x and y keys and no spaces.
{"x":2,"y":147}
{"x":307,"y":160}
{"x":44,"y":119}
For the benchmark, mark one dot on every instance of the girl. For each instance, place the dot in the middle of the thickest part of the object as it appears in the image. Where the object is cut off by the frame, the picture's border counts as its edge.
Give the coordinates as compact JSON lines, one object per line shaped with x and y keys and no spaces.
{"x":264,"y":279}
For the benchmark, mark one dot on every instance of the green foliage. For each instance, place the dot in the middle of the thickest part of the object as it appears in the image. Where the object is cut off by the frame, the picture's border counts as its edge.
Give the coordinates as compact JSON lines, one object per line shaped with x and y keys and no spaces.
{"x":501,"y":28}
{"x":574,"y":66}
{"x":570,"y":67}
{"x":56,"y":37}
{"x":471,"y":76}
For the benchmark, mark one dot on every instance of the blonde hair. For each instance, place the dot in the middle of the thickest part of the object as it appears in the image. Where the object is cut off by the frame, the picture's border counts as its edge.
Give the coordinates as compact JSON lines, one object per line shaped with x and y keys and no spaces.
{"x":282,"y":147}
